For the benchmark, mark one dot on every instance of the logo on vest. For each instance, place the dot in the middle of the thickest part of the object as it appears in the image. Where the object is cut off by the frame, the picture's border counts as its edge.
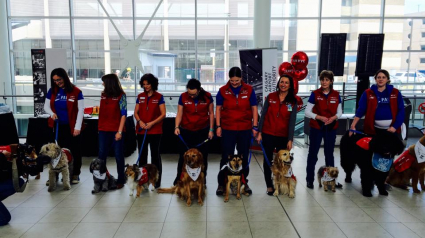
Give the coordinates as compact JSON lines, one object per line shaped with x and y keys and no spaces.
{"x":188,"y":103}
{"x":244,"y":91}
{"x":154,"y":100}
{"x":270,"y":101}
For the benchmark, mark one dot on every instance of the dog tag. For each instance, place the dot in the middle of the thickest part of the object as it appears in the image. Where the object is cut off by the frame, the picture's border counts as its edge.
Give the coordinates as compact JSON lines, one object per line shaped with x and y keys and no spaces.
{"x":98,"y":175}
{"x":420,"y":152}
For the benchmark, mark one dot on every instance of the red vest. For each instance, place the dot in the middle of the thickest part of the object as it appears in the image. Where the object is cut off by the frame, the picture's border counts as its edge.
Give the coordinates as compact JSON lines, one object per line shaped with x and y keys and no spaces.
{"x":195,"y":116}
{"x":276,"y":120}
{"x":71,"y":106}
{"x":109,"y":113}
{"x":149,"y":111}
{"x":236,"y":113}
{"x":323,"y":106}
{"x":372,"y":104}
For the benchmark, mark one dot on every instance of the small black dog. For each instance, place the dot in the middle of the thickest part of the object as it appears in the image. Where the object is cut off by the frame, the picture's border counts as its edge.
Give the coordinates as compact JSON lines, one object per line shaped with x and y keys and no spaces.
{"x":101,"y":177}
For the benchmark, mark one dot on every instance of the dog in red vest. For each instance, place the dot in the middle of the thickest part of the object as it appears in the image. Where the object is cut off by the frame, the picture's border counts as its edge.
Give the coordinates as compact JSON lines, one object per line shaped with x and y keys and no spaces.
{"x":140,"y":178}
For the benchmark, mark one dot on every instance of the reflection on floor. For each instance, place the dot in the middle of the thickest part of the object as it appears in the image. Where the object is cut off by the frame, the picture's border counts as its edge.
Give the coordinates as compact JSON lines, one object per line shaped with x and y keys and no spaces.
{"x":313,"y":213}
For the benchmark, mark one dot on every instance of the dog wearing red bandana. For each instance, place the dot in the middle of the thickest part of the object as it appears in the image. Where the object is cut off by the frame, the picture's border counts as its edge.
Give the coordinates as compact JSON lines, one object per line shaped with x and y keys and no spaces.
{"x":140,"y":178}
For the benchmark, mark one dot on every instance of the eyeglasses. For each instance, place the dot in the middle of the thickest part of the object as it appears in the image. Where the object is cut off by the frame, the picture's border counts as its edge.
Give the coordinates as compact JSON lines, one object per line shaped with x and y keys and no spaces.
{"x":57,"y":80}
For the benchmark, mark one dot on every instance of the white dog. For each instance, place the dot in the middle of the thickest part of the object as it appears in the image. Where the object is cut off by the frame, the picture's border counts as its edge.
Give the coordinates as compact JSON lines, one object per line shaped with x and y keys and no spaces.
{"x":61,"y":162}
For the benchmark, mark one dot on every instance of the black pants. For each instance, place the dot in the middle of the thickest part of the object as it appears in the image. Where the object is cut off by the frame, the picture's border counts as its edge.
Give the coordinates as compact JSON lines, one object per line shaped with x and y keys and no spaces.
{"x":154,"y":141}
{"x":192,"y":139}
{"x":73,"y":143}
{"x":270,"y":143}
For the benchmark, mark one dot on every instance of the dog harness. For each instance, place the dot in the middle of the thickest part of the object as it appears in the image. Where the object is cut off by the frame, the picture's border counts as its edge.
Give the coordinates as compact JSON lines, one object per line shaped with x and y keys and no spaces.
{"x":98,"y":175}
{"x":420,"y":152}
{"x":290,"y":174}
{"x":143,"y":176}
{"x":193,"y":173}
{"x":326,"y":177}
{"x":404,"y":161}
{"x":364,"y":142}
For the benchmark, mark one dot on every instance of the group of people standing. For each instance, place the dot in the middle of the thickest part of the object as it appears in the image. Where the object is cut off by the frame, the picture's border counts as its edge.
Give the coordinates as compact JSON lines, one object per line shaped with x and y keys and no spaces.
{"x":236,"y":119}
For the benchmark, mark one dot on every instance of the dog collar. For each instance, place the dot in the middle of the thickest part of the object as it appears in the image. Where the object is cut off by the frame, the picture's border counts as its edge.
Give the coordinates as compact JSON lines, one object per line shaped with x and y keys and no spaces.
{"x":230,"y":168}
{"x":98,"y":175}
{"x":193,"y":173}
{"x":55,"y":161}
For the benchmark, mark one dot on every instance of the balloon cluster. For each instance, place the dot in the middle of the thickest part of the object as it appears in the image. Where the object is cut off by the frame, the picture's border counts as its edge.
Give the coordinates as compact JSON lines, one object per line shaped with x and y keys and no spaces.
{"x":297,"y":69}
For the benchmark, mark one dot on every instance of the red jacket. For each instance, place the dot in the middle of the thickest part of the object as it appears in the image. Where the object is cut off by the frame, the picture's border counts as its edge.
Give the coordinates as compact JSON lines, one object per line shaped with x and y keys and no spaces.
{"x":149,"y":111}
{"x":71,"y":106}
{"x":372,"y":104}
{"x":326,"y":107}
{"x":109,"y":113}
{"x":195,"y":115}
{"x":236,"y":113}
{"x":276,"y":120}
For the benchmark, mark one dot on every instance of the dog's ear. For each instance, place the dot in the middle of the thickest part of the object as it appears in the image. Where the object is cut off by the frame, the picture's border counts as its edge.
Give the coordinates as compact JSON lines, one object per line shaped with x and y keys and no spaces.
{"x":200,"y":157}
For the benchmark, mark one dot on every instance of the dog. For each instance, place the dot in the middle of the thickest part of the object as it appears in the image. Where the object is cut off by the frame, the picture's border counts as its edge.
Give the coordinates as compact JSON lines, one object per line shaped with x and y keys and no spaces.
{"x":191,"y":180}
{"x":327,"y":176}
{"x":140,"y":178}
{"x":61,"y":162}
{"x":102,"y":179}
{"x":283,"y":176}
{"x":234,"y":177}
{"x":400,"y":174}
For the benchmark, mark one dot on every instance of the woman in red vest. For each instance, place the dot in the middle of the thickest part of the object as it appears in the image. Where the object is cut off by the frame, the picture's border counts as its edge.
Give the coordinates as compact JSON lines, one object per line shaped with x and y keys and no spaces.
{"x":65,"y":104}
{"x":236,"y":121}
{"x":383,"y":108}
{"x":150,"y":113}
{"x":277,"y":123}
{"x":112,"y":116}
{"x":323,"y":109}
{"x":194,"y":121}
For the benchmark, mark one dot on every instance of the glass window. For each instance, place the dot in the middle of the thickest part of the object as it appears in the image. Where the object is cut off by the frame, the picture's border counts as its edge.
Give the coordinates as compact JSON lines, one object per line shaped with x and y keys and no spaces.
{"x":295,"y":34}
{"x":175,"y":8}
{"x":404,"y":8}
{"x":422,"y":60}
{"x":92,"y":8}
{"x":42,"y":8}
{"x":351,"y":8}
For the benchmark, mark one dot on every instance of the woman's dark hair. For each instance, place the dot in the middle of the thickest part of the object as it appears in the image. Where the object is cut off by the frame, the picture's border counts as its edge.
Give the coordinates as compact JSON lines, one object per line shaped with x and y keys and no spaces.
{"x":196,"y":84}
{"x":291,"y":95}
{"x":112,"y":85}
{"x":384,"y":72}
{"x":235,"y":72}
{"x":152,"y":80}
{"x":60,"y":72}
{"x":327,"y":74}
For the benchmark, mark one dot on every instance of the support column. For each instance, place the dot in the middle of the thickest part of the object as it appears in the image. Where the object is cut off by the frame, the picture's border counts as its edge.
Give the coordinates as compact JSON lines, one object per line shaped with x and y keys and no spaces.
{"x":262,"y":14}
{"x":6,"y":79}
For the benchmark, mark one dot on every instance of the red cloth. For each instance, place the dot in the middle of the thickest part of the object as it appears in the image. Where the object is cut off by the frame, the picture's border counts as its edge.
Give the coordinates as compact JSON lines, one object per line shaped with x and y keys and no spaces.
{"x":372,"y":104}
{"x":6,"y":148}
{"x":195,"y":116}
{"x":325,"y":106}
{"x":71,"y":106}
{"x":276,"y":120}
{"x":236,"y":113}
{"x":149,"y":111}
{"x":364,"y":142}
{"x":109,"y":113}
{"x":68,"y":154}
{"x":404,"y":161}
{"x":144,"y":178}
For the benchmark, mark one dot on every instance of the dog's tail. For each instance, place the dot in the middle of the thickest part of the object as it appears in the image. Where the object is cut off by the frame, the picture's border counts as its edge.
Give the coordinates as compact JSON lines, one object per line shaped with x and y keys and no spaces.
{"x":167,"y":190}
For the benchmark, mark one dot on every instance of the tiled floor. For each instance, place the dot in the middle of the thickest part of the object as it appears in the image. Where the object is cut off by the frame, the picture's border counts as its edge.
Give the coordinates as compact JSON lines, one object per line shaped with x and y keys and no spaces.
{"x":313,"y":213}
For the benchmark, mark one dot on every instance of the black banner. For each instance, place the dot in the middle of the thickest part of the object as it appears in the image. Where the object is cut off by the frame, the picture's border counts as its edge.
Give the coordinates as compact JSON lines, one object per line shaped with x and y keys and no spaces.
{"x":38,"y":58}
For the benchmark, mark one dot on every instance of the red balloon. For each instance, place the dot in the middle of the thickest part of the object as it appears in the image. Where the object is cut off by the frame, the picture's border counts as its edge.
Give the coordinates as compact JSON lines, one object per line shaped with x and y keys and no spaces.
{"x":299,"y":60}
{"x":300,"y":74}
{"x":296,"y":87}
{"x":286,"y":68}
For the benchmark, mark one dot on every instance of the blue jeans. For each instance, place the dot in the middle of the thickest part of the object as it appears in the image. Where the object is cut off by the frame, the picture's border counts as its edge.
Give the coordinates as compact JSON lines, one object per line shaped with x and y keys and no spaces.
{"x":6,"y":190}
{"x":107,"y":141}
{"x":316,"y":136}
{"x":240,"y":139}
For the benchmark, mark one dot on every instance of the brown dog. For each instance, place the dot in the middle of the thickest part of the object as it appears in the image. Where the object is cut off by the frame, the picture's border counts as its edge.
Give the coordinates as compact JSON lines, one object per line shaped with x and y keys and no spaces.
{"x":416,"y":172}
{"x":191,"y":180}
{"x":283,"y":177}
{"x":140,"y":178}
{"x":234,"y":177}
{"x":327,"y":176}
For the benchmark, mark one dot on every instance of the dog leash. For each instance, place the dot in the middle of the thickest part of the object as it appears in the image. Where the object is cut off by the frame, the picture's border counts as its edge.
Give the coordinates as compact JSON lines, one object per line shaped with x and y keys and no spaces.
{"x":358,"y":132}
{"x":141,"y":147}
{"x":198,"y":145}
{"x":57,"y":131}
{"x":250,"y":151}
{"x":265,"y":156}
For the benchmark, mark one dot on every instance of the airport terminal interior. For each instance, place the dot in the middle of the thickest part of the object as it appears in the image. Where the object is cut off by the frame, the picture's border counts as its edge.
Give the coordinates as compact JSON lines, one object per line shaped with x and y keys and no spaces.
{"x":177,"y":40}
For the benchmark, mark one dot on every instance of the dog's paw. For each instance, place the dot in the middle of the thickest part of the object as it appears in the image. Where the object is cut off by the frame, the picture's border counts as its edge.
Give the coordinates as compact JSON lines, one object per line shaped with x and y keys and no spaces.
{"x":67,"y":188}
{"x":200,"y":202}
{"x":131,"y":194}
{"x":238,"y":197}
{"x":416,"y":190}
{"x":94,"y":191}
{"x":105,"y":190}
{"x":189,"y":202}
{"x":276,"y":193}
{"x":226,"y":199}
{"x":291,"y":195}
{"x":333,"y":190}
{"x":51,"y":189}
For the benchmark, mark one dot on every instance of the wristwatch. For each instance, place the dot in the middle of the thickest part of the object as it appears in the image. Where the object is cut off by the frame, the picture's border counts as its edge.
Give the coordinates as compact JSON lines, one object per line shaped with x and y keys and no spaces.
{"x":120,"y":132}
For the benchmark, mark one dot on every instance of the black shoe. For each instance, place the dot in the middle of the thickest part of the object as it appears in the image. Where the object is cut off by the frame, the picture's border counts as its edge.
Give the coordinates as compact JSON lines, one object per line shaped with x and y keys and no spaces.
{"x":367,"y":193}
{"x":382,"y":191}
{"x":310,"y":185}
{"x":247,"y":189}
{"x":219,"y":191}
{"x":338,"y":185}
{"x":348,"y":180}
{"x":270,"y":193}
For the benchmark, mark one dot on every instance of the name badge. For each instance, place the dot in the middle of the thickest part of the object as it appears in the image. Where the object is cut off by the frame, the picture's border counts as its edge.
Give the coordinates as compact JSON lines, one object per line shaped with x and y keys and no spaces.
{"x":333,"y":101}
{"x":289,"y":106}
{"x":244,"y":96}
{"x":71,"y":100}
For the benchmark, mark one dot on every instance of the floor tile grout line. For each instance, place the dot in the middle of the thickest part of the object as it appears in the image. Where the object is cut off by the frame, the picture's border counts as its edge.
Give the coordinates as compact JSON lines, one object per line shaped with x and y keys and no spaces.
{"x":289,"y":218}
{"x":341,"y":229}
{"x":165,"y":218}
{"x":134,"y":200}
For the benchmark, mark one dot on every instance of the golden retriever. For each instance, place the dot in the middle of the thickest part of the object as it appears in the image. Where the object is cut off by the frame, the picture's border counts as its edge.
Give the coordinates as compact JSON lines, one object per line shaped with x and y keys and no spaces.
{"x":283,"y":176}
